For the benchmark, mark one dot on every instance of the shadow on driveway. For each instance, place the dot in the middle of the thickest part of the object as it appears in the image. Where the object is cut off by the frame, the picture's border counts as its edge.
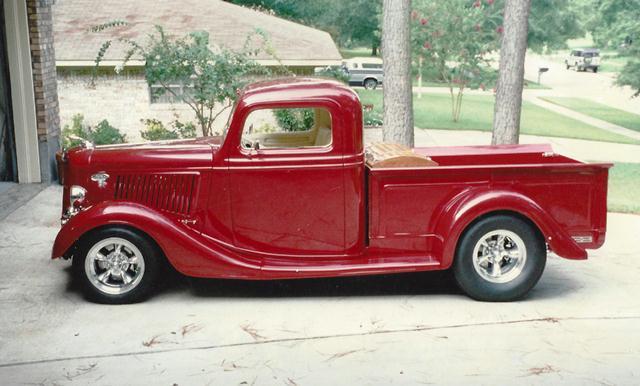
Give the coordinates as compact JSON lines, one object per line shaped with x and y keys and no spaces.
{"x":552,"y":284}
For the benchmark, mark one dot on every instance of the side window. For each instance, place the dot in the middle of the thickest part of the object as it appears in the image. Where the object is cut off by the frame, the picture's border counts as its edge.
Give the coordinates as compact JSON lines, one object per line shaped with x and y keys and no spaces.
{"x":287,"y":128}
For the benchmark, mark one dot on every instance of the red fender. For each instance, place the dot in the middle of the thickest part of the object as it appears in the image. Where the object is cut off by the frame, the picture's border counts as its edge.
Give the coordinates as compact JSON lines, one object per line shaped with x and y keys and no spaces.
{"x":187,"y":250}
{"x":475,"y":203}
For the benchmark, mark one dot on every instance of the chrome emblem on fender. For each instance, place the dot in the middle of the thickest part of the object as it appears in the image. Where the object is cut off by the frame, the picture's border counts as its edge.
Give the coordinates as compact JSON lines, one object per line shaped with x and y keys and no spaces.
{"x":101,"y":178}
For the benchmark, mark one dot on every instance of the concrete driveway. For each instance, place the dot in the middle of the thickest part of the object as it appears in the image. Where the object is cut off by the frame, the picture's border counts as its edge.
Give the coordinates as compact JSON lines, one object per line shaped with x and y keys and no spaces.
{"x":580,"y":325}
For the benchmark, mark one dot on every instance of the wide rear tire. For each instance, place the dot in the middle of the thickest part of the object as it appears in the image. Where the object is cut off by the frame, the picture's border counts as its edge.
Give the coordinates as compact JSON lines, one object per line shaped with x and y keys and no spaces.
{"x":499,"y":258}
{"x":117,"y":266}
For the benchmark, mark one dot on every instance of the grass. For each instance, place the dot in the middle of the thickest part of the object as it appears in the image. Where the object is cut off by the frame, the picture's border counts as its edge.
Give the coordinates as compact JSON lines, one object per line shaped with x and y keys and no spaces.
{"x":624,"y":185}
{"x":600,"y":111}
{"x":433,"y":111}
{"x":528,"y":84}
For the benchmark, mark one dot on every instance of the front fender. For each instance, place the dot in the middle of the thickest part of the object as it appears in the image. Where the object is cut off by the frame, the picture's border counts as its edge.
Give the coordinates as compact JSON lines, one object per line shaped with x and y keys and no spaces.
{"x":186,"y":249}
{"x":475,"y":203}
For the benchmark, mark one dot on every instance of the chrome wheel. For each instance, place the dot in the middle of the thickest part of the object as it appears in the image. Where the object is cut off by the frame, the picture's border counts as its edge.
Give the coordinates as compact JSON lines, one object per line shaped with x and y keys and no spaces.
{"x":114,"y":266}
{"x":499,"y":256}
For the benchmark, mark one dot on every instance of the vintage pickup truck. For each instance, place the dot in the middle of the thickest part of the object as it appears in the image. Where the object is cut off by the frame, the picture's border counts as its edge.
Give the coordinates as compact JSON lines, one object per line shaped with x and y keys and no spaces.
{"x":267,"y":200}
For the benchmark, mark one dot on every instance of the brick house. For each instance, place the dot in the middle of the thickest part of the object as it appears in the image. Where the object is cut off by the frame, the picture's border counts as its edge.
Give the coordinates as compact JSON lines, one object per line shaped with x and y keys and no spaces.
{"x":29,"y":123}
{"x":125,"y":99}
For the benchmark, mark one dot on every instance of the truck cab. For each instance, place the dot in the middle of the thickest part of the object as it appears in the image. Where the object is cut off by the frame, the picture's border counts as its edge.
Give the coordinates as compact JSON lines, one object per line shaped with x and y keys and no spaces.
{"x":286,"y":192}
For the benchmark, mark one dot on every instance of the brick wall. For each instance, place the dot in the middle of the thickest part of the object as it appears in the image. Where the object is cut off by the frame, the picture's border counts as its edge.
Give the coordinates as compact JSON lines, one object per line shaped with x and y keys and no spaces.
{"x":123,"y":100}
{"x":44,"y":81}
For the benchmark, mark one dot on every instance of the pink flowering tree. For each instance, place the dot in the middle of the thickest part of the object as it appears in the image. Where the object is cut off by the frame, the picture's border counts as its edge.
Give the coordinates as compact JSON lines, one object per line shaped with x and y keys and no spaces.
{"x":455,"y":38}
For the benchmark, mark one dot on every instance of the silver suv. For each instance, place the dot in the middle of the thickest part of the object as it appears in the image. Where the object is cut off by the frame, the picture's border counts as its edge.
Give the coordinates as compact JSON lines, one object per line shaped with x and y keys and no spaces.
{"x":583,"y":59}
{"x":366,"y":72}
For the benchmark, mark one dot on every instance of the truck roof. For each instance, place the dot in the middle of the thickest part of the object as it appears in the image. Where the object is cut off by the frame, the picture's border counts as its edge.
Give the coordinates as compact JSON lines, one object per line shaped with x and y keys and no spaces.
{"x":297,"y":89}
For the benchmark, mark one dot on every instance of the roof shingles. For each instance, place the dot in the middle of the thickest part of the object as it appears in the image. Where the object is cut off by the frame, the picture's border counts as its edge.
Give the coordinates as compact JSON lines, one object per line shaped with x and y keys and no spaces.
{"x":228,"y":25}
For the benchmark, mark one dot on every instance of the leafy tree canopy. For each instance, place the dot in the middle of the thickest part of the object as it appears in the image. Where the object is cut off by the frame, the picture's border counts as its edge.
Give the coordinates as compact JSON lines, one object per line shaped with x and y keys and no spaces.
{"x":353,"y":22}
{"x":616,"y":24}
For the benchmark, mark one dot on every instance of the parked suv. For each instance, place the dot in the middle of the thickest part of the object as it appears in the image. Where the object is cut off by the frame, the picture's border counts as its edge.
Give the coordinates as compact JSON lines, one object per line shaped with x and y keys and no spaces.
{"x":366,"y":72}
{"x":583,"y":59}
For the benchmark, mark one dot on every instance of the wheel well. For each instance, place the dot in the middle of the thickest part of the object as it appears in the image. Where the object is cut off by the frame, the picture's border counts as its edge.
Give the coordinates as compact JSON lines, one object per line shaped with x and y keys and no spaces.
{"x":369,"y":78}
{"x":510,"y":213}
{"x":76,"y":246}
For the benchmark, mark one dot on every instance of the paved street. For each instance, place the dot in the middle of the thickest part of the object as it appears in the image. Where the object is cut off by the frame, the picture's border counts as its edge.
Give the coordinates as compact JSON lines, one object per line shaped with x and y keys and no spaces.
{"x":598,"y":87}
{"x":580,"y":325}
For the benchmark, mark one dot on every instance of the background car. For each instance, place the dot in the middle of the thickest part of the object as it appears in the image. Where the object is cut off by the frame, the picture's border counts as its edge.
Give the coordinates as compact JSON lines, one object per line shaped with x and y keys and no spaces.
{"x":583,"y":59}
{"x":364,"y":71}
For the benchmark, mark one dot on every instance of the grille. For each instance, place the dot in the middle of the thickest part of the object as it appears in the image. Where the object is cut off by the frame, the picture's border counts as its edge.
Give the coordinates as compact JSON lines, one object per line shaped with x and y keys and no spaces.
{"x":167,"y":192}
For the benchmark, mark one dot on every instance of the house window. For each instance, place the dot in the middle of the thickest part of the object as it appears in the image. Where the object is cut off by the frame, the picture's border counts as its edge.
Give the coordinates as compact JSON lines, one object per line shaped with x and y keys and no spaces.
{"x":174,"y":94}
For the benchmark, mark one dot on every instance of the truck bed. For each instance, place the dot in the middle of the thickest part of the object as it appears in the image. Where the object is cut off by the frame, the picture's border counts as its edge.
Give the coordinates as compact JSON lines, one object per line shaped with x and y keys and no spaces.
{"x":408,"y":203}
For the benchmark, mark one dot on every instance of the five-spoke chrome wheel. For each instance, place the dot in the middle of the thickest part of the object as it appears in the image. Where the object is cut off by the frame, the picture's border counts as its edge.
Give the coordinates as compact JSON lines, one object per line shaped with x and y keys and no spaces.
{"x":499,"y":256}
{"x":114,"y":266}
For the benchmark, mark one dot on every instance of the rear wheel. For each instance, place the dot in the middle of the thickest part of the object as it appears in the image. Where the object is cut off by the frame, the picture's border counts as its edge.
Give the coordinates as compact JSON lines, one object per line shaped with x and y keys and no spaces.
{"x":116,"y":266}
{"x":370,"y":84}
{"x":595,"y":69}
{"x":499,"y":258}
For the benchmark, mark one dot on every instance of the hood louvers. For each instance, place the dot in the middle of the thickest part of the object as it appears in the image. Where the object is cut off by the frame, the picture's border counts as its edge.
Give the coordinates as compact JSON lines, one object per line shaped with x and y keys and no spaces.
{"x":167,"y":192}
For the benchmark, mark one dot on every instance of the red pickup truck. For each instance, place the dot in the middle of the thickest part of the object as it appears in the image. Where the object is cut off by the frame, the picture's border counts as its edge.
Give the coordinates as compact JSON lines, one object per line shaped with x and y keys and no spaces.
{"x":286,"y":193}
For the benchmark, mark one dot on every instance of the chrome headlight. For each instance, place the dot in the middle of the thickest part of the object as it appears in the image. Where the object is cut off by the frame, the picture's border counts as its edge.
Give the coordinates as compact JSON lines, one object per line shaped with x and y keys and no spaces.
{"x":76,"y":194}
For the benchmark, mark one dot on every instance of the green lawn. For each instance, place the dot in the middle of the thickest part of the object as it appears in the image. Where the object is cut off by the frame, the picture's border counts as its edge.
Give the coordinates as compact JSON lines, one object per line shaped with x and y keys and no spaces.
{"x":624,"y":185}
{"x":528,"y":84}
{"x":433,"y":111}
{"x":600,"y":111}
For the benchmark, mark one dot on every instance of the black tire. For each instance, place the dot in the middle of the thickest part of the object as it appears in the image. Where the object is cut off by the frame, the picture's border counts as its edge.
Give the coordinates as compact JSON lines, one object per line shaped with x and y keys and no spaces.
{"x":595,"y":69}
{"x":468,"y":273}
{"x":148,"y":270}
{"x":370,"y":84}
{"x":568,"y":66}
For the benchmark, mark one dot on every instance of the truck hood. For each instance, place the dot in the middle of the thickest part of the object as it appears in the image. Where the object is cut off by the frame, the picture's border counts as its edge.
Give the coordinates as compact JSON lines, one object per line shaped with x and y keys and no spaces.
{"x":159,"y":155}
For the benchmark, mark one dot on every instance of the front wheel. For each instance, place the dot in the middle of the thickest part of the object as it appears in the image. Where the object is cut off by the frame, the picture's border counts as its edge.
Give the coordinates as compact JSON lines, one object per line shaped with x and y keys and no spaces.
{"x":499,"y":258}
{"x":116,"y":266}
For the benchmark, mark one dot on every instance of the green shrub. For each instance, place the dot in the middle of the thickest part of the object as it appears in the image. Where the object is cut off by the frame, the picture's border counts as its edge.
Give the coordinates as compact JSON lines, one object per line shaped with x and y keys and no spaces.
{"x":295,"y":119}
{"x":102,"y":134}
{"x":105,"y":134}
{"x":185,"y":130}
{"x":76,"y":129}
{"x":371,"y":117}
{"x":155,"y":130}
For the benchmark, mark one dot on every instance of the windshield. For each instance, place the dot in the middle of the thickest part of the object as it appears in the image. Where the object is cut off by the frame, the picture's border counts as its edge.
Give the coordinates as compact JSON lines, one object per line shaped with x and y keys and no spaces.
{"x":226,"y":127}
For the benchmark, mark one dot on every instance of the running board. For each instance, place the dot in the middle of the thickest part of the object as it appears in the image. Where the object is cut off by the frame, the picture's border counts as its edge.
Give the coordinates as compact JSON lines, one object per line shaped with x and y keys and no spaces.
{"x":344,"y":267}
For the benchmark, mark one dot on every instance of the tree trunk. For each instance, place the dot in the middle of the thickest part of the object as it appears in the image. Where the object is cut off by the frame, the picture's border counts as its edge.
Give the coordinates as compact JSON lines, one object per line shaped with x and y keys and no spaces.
{"x":506,"y":116}
{"x":396,"y":56}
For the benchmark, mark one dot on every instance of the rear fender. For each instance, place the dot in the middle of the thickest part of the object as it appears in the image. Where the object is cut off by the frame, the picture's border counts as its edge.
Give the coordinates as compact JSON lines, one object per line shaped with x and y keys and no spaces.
{"x":186,"y":249}
{"x":473,"y":204}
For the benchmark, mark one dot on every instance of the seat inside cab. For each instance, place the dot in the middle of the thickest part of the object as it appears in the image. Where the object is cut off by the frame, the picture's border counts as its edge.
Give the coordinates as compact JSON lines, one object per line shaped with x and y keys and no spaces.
{"x":287,"y":128}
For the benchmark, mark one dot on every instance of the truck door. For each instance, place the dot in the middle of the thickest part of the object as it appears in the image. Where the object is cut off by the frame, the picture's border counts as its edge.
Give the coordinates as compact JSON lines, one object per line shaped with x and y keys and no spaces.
{"x":287,"y":183}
